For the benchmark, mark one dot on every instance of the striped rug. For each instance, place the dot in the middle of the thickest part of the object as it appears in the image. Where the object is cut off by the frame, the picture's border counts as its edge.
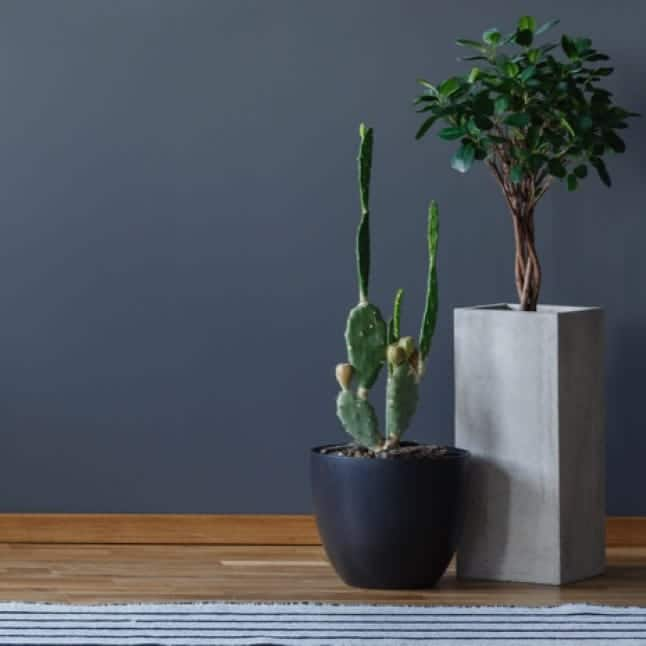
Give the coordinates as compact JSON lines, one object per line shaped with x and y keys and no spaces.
{"x":225,"y":624}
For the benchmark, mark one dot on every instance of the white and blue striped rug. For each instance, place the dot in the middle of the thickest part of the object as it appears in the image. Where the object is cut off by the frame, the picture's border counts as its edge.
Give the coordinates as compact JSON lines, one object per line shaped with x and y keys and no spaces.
{"x":225,"y":624}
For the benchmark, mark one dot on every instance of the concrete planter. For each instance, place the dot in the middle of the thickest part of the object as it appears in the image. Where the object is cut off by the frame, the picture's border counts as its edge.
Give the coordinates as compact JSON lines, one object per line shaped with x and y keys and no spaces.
{"x":529,"y":408}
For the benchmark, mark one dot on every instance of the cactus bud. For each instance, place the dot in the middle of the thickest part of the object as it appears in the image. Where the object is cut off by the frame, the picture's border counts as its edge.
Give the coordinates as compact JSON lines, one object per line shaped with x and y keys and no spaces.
{"x":344,"y":375}
{"x":407,"y":343}
{"x":396,"y":355}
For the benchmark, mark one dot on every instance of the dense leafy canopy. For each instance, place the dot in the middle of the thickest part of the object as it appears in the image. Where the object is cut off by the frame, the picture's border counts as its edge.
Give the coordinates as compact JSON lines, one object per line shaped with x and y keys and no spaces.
{"x":538,"y":110}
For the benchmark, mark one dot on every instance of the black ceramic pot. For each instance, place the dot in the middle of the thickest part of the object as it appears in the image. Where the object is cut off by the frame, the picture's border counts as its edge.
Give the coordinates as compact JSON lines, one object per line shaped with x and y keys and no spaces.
{"x":391,"y":522}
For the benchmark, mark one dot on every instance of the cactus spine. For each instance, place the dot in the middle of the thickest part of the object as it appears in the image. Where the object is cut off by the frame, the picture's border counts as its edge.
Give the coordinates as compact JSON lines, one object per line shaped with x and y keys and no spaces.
{"x":371,"y":343}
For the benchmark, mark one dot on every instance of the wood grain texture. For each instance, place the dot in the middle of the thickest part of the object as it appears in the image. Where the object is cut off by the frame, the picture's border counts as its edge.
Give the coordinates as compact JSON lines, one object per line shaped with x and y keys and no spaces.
{"x":626,"y":530}
{"x":209,"y":529}
{"x":111,"y":573}
{"x":161,"y":529}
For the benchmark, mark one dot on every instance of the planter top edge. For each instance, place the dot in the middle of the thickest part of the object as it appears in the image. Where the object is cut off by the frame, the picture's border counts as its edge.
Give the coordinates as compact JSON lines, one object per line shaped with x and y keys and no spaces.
{"x":454,"y":453}
{"x":545,"y":310}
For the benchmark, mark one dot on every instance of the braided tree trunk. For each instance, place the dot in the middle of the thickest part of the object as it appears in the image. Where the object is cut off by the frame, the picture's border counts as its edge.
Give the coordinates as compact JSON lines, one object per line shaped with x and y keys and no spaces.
{"x":526,"y":264}
{"x":522,"y":198}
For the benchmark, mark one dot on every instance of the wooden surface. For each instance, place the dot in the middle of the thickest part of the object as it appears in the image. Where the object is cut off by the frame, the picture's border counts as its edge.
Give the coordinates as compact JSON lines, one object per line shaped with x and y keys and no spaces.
{"x":104,"y":573}
{"x":160,"y":529}
{"x":208,"y":529}
{"x":626,"y":530}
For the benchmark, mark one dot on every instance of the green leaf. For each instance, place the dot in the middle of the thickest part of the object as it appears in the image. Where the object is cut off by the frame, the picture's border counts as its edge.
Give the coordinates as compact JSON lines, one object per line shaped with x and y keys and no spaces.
{"x":473,"y":74}
{"x":452,"y":133}
{"x":533,"y":133}
{"x":614,"y":141}
{"x":449,"y":86}
{"x":492,"y":37}
{"x":483,"y":122}
{"x":430,"y":88}
{"x":424,"y":98}
{"x":424,"y":128}
{"x":572,"y":182}
{"x":536,"y":162}
{"x":472,"y":128}
{"x":527,"y":73}
{"x":601,"y":169}
{"x":597,"y":149}
{"x":516,"y":173}
{"x":546,"y":26}
{"x":527,"y":23}
{"x":518,"y":120}
{"x":511,"y":69}
{"x":568,"y":46}
{"x":463,"y":158}
{"x":556,"y":168}
{"x":566,"y":124}
{"x":533,"y":55}
{"x":581,"y":171}
{"x":465,"y":42}
{"x":501,"y":60}
{"x":584,"y":122}
{"x":582,"y":44}
{"x":501,"y":104}
{"x":482,"y":104}
{"x":597,"y":56}
{"x":524,"y":37}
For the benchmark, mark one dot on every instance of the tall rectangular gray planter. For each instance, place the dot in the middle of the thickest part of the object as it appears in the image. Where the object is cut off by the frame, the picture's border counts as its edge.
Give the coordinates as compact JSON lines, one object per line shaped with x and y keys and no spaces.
{"x":529,"y":407}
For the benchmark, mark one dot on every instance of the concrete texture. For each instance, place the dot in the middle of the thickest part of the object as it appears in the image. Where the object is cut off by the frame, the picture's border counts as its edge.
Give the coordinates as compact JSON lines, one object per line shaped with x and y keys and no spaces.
{"x":529,"y":406}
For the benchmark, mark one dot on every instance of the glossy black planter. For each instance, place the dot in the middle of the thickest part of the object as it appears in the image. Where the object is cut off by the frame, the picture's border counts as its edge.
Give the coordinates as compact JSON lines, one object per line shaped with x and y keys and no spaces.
{"x":391,"y":522}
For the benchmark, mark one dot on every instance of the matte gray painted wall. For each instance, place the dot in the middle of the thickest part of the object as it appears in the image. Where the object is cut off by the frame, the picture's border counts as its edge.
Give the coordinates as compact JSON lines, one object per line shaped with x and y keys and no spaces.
{"x":178,"y":204}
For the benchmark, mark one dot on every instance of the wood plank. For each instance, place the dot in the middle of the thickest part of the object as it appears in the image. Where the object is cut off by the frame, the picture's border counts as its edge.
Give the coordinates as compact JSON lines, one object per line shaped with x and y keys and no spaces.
{"x":626,"y":530}
{"x":167,"y":529}
{"x":209,"y":529}
{"x":113,"y":573}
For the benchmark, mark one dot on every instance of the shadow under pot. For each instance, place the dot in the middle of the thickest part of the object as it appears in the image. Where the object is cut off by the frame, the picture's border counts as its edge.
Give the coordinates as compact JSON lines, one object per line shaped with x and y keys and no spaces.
{"x":392,"y":522}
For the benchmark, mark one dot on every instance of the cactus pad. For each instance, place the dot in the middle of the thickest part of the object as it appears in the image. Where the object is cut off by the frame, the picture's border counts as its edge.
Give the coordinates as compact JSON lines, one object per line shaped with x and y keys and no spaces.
{"x":401,"y":400}
{"x":366,"y":340}
{"x":359,"y":419}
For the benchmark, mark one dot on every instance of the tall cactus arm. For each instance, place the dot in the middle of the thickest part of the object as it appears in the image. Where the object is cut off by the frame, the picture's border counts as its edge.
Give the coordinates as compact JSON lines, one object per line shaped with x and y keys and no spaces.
{"x":397,"y":315}
{"x":364,"y":162}
{"x":366,"y":341}
{"x":429,"y":319}
{"x":359,"y":419}
{"x":390,"y":335}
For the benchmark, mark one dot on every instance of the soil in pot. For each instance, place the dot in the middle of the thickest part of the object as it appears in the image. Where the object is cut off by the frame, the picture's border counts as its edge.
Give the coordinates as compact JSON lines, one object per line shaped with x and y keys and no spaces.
{"x":406,"y":451}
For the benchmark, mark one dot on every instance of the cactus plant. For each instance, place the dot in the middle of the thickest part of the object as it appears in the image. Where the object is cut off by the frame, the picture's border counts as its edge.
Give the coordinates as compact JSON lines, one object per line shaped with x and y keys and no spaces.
{"x":371,"y":343}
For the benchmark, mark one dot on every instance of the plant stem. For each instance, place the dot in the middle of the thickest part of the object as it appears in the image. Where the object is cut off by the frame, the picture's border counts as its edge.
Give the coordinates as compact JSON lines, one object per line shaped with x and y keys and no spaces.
{"x":521,"y":200}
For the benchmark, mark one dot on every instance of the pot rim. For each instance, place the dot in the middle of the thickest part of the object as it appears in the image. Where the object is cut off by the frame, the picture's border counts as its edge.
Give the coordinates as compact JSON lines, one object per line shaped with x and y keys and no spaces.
{"x":455,"y":454}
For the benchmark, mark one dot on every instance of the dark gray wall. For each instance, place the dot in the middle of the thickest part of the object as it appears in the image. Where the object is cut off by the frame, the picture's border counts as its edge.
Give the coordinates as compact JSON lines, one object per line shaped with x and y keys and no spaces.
{"x":178,"y":200}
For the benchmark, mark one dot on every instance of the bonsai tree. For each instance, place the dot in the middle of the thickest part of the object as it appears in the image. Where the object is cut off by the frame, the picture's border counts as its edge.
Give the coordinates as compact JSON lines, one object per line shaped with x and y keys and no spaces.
{"x":532,"y":116}
{"x":371,"y":343}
